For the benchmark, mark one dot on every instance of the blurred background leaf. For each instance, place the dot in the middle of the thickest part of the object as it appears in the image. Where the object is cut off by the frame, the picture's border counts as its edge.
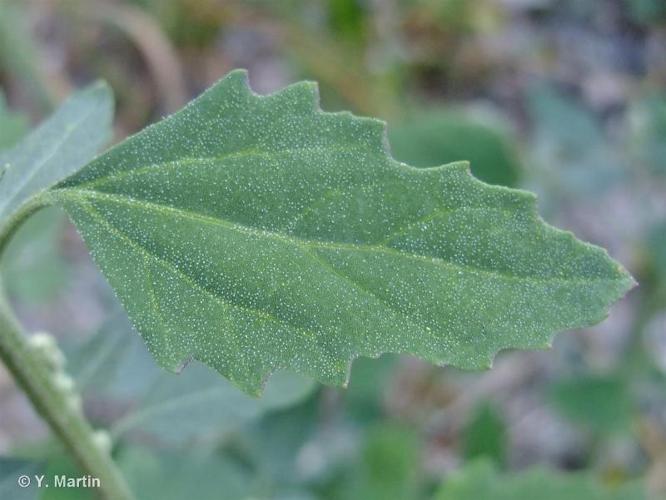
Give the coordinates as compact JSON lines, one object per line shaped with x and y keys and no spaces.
{"x":485,"y":435}
{"x":480,"y":481}
{"x":387,"y":468}
{"x":601,"y":404}
{"x":436,"y":137}
{"x":649,"y":120}
{"x":197,"y":405}
{"x":174,"y":476}
{"x":13,"y":126}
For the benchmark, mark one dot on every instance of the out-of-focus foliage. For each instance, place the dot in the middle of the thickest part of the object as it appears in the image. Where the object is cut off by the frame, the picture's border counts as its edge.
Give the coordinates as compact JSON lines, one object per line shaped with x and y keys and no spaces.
{"x":649,"y":145}
{"x":387,"y":469}
{"x":60,"y":464}
{"x":569,"y":148}
{"x":176,"y":475}
{"x":485,"y":435}
{"x":19,"y":55}
{"x":347,"y":17}
{"x":481,"y":482}
{"x":195,"y":406}
{"x":647,"y":11}
{"x":33,"y":267}
{"x":436,"y":137}
{"x":364,"y":397}
{"x":12,"y":125}
{"x":602,"y":404}
{"x":59,"y":146}
{"x":656,"y":255}
{"x":10,"y":471}
{"x":190,"y":23}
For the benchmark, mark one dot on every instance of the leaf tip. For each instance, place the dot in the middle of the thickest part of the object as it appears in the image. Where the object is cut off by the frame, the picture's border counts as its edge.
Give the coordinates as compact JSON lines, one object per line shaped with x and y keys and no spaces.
{"x":99,"y":90}
{"x":628,"y":281}
{"x":98,"y":86}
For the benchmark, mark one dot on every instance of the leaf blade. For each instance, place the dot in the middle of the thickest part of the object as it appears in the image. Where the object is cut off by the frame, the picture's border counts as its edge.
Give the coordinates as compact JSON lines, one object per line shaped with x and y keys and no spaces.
{"x":196,"y":406}
{"x":61,"y":145}
{"x":257,"y":233}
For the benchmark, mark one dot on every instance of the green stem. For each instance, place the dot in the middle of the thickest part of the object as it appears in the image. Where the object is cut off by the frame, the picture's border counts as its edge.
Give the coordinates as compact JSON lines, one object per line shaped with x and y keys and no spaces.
{"x":17,"y":218}
{"x":56,"y":405}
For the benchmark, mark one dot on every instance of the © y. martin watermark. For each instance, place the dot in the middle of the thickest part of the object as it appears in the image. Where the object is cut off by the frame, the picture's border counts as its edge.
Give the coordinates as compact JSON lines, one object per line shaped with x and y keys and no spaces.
{"x":58,"y":481}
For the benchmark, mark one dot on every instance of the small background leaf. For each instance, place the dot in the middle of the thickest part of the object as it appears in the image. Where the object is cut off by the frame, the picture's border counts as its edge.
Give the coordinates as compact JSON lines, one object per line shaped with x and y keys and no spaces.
{"x":387,"y":469}
{"x":485,"y":435}
{"x":481,"y":482}
{"x":600,"y":404}
{"x":174,"y":476}
{"x":576,"y":160}
{"x":438,"y":137}
{"x":649,"y":130}
{"x":33,"y":267}
{"x":13,"y":126}
{"x":61,"y":145}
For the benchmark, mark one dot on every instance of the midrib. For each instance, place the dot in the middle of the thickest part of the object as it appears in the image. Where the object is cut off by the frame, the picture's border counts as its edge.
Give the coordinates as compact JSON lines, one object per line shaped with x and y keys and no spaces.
{"x":84,"y":196}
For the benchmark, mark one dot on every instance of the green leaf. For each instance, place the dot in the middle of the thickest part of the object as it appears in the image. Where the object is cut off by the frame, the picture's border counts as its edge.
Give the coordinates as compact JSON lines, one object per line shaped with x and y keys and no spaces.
{"x":365,"y":394}
{"x":486,"y":435}
{"x":200,"y":405}
{"x":260,"y":233}
{"x":481,"y":482}
{"x":275,"y":445}
{"x":60,"y":146}
{"x":389,"y":466}
{"x":572,"y":161}
{"x":386,"y":469}
{"x":600,"y":403}
{"x":655,"y":255}
{"x":647,"y":12}
{"x":649,"y":132}
{"x":440,"y":136}
{"x":12,"y":125}
{"x":59,"y":463}
{"x":187,"y":474}
{"x":196,"y":406}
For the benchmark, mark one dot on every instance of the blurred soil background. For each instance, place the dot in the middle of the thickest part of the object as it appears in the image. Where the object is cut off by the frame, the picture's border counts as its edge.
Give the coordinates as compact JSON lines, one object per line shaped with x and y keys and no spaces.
{"x":565,"y":98}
